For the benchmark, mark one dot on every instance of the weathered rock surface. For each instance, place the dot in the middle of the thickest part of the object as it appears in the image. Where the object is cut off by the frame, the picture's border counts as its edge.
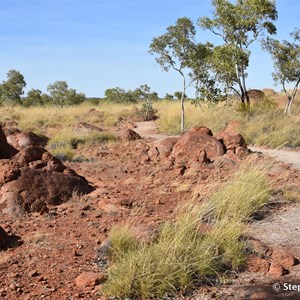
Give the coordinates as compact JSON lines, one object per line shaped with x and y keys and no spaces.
{"x":22,"y":140}
{"x":162,"y":149}
{"x":89,"y":279}
{"x":33,"y":179}
{"x":129,"y":135}
{"x":190,"y":146}
{"x":86,"y":127}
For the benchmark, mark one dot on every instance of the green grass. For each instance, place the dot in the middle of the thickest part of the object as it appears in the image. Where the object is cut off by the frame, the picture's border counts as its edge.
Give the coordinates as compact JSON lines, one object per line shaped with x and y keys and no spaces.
{"x":64,"y":143}
{"x":180,"y":255}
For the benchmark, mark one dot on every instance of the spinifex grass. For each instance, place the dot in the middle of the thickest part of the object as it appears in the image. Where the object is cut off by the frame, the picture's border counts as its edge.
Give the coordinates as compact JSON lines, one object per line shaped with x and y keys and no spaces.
{"x":181,"y":254}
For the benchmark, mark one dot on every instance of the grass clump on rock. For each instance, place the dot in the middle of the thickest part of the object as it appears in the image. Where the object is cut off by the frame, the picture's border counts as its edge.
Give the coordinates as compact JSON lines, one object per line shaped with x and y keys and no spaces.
{"x":181,"y":255}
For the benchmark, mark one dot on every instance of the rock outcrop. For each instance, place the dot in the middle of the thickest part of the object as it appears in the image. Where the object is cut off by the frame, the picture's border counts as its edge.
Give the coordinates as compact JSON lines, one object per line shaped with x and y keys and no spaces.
{"x":197,"y":145}
{"x":129,"y":135}
{"x":33,"y":179}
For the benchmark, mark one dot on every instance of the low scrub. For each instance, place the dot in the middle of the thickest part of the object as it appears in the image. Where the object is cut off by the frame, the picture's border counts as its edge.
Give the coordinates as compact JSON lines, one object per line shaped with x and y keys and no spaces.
{"x":181,"y":255}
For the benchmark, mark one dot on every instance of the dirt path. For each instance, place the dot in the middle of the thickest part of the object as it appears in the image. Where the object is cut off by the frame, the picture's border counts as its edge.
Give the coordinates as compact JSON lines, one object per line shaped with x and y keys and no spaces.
{"x":285,"y":156}
{"x":149,"y":130}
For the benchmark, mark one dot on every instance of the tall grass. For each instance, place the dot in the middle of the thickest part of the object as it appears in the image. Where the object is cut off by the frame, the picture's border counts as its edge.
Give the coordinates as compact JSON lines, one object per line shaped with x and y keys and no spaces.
{"x":265,"y":125}
{"x":38,"y":119}
{"x":181,"y":255}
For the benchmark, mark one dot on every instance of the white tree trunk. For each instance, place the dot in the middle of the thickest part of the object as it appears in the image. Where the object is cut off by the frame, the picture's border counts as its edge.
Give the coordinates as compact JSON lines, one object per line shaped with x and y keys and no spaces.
{"x":182,"y":104}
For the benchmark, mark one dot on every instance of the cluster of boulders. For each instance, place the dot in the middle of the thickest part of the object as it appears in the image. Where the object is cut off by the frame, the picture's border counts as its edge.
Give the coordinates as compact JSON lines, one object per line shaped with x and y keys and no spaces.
{"x":199,"y":146}
{"x":276,"y":262}
{"x":31,"y":178}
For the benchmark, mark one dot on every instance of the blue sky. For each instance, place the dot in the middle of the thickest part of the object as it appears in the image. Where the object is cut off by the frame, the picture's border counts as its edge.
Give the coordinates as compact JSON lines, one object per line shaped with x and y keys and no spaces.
{"x":99,"y":44}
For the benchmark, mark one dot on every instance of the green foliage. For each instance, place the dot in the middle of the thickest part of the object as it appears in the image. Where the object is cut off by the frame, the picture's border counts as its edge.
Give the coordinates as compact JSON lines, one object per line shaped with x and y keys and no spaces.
{"x":61,"y":95}
{"x":180,"y":255}
{"x":12,"y":89}
{"x":239,"y":25}
{"x":168,"y":97}
{"x":175,"y":50}
{"x":35,"y":98}
{"x":286,"y":58}
{"x":119,"y":95}
{"x":142,"y":93}
{"x":147,"y":112}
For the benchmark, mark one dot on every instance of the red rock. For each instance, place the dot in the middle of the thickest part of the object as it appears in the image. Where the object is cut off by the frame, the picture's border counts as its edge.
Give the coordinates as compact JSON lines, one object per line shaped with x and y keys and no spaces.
{"x":6,"y":150}
{"x":33,"y":179}
{"x":9,"y":171}
{"x":276,"y":269}
{"x":283,"y":258}
{"x":35,"y":189}
{"x":162,"y":149}
{"x":241,"y":152}
{"x":258,"y":247}
{"x":86,"y":127}
{"x":129,"y":135}
{"x":89,"y":279}
{"x":231,"y":139}
{"x":9,"y":124}
{"x":28,"y":155}
{"x":202,"y":129}
{"x":21,"y":140}
{"x":189,"y":146}
{"x":257,"y":264}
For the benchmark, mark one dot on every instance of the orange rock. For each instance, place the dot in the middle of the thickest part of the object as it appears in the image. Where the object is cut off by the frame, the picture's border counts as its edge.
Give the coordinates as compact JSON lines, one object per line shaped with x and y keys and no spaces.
{"x":257,"y":264}
{"x":89,"y":279}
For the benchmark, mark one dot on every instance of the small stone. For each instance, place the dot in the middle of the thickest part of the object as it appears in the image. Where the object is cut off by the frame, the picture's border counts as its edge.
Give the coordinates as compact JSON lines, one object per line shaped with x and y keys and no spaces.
{"x":276,"y":270}
{"x":34,"y":274}
{"x":257,"y":264}
{"x":89,"y":279}
{"x":283,"y":258}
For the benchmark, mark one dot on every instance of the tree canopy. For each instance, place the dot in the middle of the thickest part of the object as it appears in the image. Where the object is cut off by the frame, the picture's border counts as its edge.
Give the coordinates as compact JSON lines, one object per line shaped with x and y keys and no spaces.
{"x":12,"y":89}
{"x":239,"y":25}
{"x":286,"y":58}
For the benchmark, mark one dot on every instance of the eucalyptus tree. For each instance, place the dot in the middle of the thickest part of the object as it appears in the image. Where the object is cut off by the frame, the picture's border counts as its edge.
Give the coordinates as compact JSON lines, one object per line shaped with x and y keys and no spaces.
{"x":286,"y":58}
{"x":173,"y":50}
{"x":239,"y":25}
{"x":62,"y":95}
{"x":12,"y":89}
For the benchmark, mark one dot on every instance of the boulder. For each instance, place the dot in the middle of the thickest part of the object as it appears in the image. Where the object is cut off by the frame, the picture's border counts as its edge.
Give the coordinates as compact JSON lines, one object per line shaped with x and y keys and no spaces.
{"x":35,"y":189}
{"x":202,"y":129}
{"x":257,"y":264}
{"x":34,"y":179}
{"x":255,"y":94}
{"x":162,"y":148}
{"x":21,"y":140}
{"x":231,"y":140}
{"x":129,"y":135}
{"x":190,"y":146}
{"x":86,"y":127}
{"x":283,"y":258}
{"x":89,"y":279}
{"x":6,"y":150}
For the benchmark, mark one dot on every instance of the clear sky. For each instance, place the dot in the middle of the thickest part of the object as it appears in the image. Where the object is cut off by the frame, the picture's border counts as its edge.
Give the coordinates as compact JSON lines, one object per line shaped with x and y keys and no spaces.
{"x":99,"y":44}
